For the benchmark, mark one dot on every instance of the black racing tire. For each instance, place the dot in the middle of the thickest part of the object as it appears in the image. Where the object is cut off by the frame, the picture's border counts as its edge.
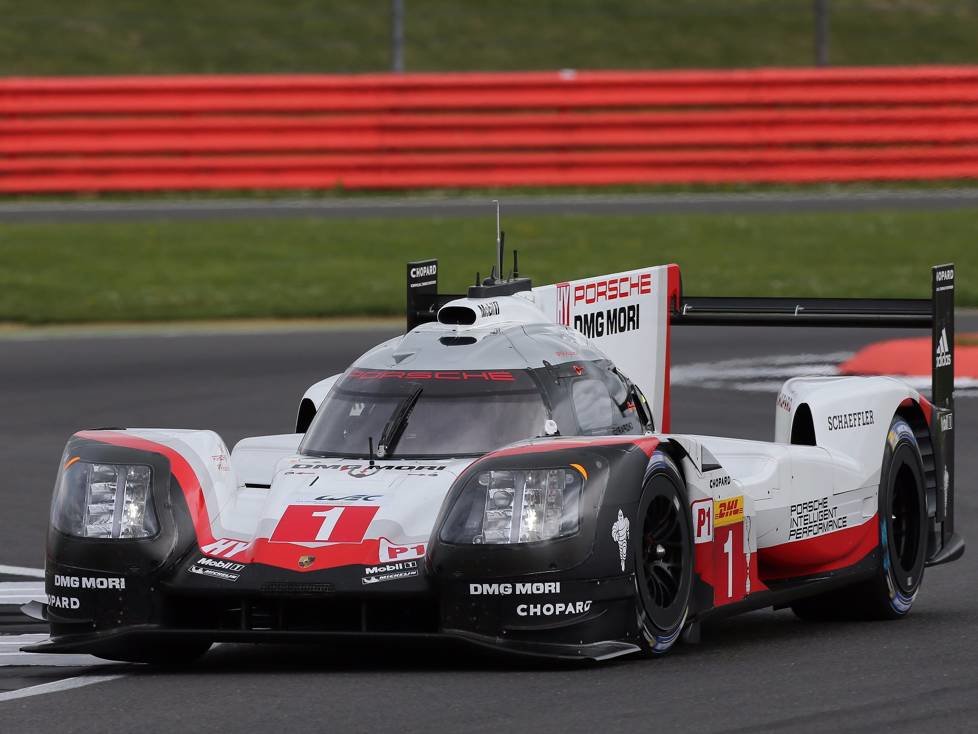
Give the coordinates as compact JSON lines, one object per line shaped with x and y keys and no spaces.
{"x":162,"y":655}
{"x":663,"y":552}
{"x":890,"y":593}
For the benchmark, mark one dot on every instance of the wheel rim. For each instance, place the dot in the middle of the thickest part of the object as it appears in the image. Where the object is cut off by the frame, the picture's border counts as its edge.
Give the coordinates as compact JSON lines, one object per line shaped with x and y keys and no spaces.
{"x":905,"y":522}
{"x":663,"y":558}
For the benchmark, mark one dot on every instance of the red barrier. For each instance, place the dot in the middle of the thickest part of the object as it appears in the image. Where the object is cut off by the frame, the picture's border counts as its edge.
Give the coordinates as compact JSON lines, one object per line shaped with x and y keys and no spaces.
{"x":455,"y":130}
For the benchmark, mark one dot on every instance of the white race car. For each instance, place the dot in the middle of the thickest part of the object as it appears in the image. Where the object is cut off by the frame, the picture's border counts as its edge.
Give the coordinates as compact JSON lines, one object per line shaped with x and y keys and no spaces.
{"x":504,"y":474}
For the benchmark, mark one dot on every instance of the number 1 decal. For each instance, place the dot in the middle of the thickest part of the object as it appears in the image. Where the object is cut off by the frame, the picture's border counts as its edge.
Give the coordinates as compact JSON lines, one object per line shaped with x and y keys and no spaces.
{"x":729,"y":556}
{"x":323,"y":523}
{"x":330,"y":518}
{"x":729,"y":564}
{"x":728,"y":552}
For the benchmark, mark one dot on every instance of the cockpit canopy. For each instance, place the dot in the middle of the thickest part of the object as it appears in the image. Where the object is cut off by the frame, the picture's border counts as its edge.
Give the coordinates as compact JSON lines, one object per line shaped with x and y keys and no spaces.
{"x":454,"y":413}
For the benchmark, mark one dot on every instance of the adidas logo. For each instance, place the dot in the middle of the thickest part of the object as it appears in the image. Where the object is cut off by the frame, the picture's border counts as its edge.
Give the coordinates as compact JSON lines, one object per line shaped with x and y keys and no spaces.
{"x":943,"y":355}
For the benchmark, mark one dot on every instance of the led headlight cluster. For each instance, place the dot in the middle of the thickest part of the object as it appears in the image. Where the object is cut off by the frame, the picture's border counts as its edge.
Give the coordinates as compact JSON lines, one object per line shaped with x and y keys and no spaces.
{"x":517,"y":506}
{"x":105,"y":501}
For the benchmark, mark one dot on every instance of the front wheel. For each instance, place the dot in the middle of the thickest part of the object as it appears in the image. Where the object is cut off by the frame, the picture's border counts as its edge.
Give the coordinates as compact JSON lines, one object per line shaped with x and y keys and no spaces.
{"x":663,"y":557}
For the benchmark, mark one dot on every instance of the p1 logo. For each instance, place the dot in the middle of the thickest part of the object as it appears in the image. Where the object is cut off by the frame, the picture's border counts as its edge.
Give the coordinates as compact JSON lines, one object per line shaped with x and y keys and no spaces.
{"x":702,"y":521}
{"x":389,"y":552}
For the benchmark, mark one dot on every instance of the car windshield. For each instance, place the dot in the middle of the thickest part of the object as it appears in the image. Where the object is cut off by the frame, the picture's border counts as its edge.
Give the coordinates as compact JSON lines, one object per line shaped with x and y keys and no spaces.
{"x":457,"y":413}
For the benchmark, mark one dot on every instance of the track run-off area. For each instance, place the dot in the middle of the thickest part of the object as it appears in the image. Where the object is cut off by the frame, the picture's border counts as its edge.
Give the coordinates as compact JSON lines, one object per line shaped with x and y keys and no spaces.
{"x":765,"y":671}
{"x":750,"y":202}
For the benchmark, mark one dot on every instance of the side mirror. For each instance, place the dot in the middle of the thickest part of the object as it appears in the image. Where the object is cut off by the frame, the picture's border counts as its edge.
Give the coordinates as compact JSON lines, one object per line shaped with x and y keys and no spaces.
{"x":307,"y":411}
{"x":641,"y":407}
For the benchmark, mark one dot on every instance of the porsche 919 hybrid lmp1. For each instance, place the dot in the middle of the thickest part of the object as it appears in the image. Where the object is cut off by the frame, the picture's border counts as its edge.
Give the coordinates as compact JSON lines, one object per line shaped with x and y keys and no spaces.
{"x":504,"y":474}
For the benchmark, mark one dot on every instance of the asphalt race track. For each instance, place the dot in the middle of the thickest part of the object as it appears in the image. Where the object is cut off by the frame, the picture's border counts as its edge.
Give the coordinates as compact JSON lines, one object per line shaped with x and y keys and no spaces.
{"x":472,"y":206}
{"x":765,"y":671}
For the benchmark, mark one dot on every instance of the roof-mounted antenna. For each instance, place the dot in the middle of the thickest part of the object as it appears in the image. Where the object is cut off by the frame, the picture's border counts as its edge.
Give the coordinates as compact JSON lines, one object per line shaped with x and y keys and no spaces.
{"x":500,"y":238}
{"x":502,"y":246}
{"x":497,"y":284}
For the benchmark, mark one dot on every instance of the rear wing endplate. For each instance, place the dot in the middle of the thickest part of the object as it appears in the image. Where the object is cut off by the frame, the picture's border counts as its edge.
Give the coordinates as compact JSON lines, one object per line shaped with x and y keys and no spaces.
{"x":423,"y":298}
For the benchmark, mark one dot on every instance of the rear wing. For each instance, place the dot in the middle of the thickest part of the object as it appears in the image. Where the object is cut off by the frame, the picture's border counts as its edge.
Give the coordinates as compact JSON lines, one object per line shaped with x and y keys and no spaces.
{"x":935,"y":313}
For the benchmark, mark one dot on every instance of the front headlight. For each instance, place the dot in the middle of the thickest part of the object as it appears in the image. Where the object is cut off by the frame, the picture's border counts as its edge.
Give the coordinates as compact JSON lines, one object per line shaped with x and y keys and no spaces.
{"x":104,"y":501}
{"x":518,"y":506}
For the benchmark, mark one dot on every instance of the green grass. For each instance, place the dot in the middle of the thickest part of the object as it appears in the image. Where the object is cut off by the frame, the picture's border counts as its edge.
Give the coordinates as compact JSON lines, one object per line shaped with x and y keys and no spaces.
{"x":127,"y":37}
{"x":64,"y":273}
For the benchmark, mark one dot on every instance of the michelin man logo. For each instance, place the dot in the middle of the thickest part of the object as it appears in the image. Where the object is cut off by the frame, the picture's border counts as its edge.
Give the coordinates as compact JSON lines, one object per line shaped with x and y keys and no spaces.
{"x":619,"y":532}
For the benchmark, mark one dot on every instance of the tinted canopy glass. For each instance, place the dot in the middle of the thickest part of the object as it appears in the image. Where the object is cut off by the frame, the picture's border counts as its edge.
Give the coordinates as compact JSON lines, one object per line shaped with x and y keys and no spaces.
{"x":447,"y":413}
{"x":457,"y":413}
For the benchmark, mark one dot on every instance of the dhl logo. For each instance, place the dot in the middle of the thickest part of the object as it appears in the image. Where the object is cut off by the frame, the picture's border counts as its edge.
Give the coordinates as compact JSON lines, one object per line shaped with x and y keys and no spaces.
{"x":728,"y":511}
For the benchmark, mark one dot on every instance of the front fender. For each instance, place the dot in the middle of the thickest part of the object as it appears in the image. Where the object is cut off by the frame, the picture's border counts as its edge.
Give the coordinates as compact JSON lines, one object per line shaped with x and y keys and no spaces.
{"x":95,"y":583}
{"x":615,"y":470}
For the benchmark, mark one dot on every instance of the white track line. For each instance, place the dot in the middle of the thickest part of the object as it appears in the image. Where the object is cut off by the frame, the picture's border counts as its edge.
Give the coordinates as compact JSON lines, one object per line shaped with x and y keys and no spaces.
{"x":756,"y":374}
{"x":24,"y":639}
{"x":21,"y":592}
{"x":34,"y":573}
{"x":12,"y":657}
{"x":768,"y":374}
{"x":59,"y":685}
{"x":20,"y":659}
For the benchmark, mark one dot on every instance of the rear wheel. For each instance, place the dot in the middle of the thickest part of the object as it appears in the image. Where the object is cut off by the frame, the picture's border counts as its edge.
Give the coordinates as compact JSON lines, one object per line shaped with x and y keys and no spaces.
{"x":902,"y":536}
{"x":664,"y":558}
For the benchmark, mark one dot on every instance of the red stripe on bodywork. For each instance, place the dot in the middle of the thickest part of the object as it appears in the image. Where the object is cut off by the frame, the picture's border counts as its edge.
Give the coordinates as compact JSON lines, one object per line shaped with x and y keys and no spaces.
{"x":646,"y":443}
{"x":281,"y":555}
{"x":823,"y":553}
{"x":287,"y":555}
{"x":673,"y":297}
{"x":710,"y":564}
{"x":927,"y":408}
